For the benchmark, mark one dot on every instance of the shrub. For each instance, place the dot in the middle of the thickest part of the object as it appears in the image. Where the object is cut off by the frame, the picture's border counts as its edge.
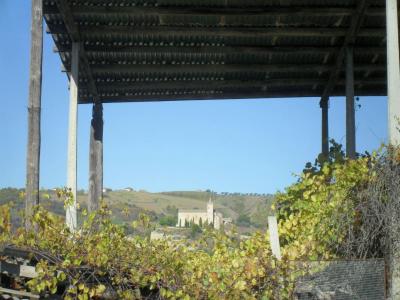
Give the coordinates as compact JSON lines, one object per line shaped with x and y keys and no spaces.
{"x":243,"y":220}
{"x":195,"y":230}
{"x":168,"y":220}
{"x":315,"y":213}
{"x":100,"y":259}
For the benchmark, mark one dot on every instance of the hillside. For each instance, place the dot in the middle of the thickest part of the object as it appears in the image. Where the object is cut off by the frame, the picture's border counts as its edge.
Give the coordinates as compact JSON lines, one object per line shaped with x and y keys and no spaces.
{"x":248,"y":211}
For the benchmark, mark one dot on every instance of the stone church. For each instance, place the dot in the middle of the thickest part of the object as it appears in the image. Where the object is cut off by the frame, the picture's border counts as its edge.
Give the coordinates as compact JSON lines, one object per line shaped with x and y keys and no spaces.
{"x":200,"y":217}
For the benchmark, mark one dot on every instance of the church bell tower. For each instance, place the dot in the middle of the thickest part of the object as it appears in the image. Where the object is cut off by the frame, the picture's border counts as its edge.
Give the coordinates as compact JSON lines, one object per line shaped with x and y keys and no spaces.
{"x":210,"y":211}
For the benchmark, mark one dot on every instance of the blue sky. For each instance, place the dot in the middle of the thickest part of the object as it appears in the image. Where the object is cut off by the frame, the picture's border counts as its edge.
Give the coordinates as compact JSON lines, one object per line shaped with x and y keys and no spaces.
{"x":229,"y":145}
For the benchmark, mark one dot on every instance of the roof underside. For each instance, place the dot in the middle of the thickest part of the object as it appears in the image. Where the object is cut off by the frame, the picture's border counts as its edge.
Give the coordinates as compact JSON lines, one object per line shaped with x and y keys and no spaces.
{"x":153,"y":50}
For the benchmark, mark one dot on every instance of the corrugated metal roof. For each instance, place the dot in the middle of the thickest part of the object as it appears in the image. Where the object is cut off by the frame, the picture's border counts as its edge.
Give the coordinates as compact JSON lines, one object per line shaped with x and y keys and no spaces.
{"x":146,"y":50}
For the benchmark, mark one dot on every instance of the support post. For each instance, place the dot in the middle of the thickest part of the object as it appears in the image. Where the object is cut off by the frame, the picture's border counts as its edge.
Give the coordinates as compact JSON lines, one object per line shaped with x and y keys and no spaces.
{"x":393,"y":71}
{"x":393,"y":77}
{"x":34,"y":107}
{"x":274,"y":237}
{"x":350,"y":111}
{"x":96,"y":158}
{"x":324,"y":104}
{"x":72,"y":135}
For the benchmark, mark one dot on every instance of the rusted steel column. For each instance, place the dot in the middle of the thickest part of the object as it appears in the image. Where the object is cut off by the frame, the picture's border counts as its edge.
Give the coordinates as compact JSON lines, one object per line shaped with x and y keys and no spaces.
{"x":350,"y":111}
{"x":96,"y":158}
{"x":72,"y":135}
{"x":324,"y":104}
{"x":34,"y":107}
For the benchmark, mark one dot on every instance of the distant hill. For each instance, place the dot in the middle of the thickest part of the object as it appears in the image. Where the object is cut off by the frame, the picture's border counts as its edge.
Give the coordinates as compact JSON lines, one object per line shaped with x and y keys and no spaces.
{"x":250,"y":211}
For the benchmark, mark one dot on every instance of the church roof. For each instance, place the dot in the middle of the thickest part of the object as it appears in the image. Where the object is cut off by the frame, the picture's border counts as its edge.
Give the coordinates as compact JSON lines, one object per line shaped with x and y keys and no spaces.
{"x":192,"y":211}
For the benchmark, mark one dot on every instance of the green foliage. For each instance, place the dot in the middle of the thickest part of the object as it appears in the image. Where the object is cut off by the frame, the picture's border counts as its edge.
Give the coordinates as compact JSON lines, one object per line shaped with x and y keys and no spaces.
{"x":238,"y":204}
{"x":195,"y":230}
{"x":314,"y":211}
{"x":171,"y":209}
{"x":128,"y":205}
{"x":312,"y":215}
{"x":5,"y":222}
{"x":100,"y":258}
{"x":168,"y":220}
{"x":259,"y":218}
{"x":189,"y":194}
{"x":243,"y":220}
{"x":9,"y":194}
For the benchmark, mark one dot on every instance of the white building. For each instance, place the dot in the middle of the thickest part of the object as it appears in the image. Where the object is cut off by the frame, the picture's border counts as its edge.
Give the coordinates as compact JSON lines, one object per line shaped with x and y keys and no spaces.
{"x":200,"y":217}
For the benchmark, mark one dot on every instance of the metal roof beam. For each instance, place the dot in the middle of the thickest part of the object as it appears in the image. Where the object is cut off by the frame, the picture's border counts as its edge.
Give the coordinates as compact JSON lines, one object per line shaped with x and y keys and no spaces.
{"x":211,"y":50}
{"x":73,"y":32}
{"x":220,"y":95}
{"x":100,"y":33}
{"x":212,"y":84}
{"x":351,"y":35}
{"x":274,"y":11}
{"x":193,"y":69}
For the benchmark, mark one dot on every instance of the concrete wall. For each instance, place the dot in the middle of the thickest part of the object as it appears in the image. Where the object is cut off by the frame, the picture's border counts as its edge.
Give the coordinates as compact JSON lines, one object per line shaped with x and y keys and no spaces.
{"x":191,"y":217}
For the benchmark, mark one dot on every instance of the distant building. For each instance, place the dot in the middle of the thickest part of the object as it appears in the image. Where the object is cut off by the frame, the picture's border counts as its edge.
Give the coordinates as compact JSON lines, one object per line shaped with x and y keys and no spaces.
{"x":226,"y":220}
{"x":200,"y":217}
{"x":128,"y":189}
{"x":107,"y":190}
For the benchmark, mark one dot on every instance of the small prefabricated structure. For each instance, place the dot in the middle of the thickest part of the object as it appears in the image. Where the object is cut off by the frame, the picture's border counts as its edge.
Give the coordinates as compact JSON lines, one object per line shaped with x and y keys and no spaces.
{"x":167,"y":50}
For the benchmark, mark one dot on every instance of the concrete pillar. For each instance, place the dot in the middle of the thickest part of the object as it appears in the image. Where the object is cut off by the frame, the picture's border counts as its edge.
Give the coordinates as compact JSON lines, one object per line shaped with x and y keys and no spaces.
{"x":350,"y":111}
{"x":393,"y":78}
{"x":393,"y":71}
{"x":34,"y":107}
{"x":274,"y":237}
{"x":72,"y":135}
{"x":324,"y":104}
{"x":96,"y":158}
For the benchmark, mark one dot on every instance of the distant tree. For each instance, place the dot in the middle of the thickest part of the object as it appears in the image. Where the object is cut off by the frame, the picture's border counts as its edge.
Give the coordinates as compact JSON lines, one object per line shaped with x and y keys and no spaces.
{"x":195,"y":230}
{"x":243,"y":220}
{"x":168,"y":220}
{"x":238,"y":205}
{"x":10,"y":194}
{"x":259,"y":218}
{"x":171,"y":209}
{"x":201,"y":222}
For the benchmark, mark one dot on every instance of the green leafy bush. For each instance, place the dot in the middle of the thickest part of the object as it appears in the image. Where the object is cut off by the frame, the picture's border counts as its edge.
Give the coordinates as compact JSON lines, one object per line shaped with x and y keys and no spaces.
{"x":168,"y":220}
{"x":100,"y":259}
{"x":314,"y":216}
{"x":315,"y":213}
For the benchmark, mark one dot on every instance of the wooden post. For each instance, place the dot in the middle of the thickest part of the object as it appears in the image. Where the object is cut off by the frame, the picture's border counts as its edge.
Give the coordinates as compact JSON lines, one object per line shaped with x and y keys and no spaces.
{"x":324,"y":104}
{"x":72,"y":135}
{"x":96,"y":158}
{"x":34,"y":106}
{"x":350,"y":112}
